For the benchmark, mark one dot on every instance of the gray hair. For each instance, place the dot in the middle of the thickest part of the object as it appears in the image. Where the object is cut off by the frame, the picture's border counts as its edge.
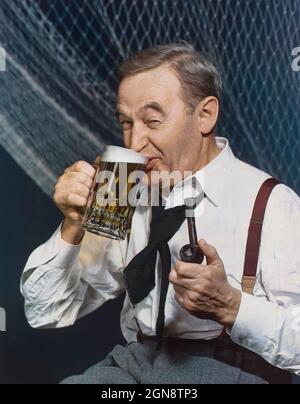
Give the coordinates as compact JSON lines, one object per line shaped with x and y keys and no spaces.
{"x":198,"y":76}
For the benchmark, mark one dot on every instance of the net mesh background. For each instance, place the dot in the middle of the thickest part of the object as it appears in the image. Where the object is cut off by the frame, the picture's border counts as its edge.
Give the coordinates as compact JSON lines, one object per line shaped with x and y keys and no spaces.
{"x":58,"y":92}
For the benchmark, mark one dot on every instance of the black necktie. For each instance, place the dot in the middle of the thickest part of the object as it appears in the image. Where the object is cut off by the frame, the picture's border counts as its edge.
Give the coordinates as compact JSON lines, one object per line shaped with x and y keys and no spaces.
{"x":140,"y":272}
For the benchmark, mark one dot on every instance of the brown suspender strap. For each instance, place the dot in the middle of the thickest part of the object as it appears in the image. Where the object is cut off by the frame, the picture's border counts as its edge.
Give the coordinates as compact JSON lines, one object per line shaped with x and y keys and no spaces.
{"x":254,"y":235}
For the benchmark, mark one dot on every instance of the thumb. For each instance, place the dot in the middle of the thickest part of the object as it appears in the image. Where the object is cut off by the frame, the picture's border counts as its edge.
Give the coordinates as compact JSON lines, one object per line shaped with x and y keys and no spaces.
{"x":209,"y":251}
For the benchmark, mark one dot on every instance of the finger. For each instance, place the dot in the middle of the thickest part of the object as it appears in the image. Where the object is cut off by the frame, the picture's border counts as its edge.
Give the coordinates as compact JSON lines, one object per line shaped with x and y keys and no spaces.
{"x":83,"y":178}
{"x":188,"y":270}
{"x":185,"y":302}
{"x":179,"y":299}
{"x":176,"y":281}
{"x":209,"y":251}
{"x":79,"y":189}
{"x":71,"y":199}
{"x":194,"y":297}
{"x":195,"y":306}
{"x":69,"y":187}
{"x":180,"y":290}
{"x":83,"y":167}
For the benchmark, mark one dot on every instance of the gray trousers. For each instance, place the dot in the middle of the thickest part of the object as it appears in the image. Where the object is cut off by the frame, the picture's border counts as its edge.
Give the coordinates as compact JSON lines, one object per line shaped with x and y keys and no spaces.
{"x":138,"y":363}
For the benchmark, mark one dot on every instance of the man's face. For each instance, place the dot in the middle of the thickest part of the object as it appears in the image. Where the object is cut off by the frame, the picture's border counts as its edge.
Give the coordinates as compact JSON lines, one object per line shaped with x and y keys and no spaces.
{"x":155,"y":122}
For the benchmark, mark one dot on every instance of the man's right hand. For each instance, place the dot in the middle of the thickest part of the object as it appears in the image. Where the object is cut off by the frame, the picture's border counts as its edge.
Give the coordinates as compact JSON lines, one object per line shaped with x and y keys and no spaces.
{"x":71,"y":196}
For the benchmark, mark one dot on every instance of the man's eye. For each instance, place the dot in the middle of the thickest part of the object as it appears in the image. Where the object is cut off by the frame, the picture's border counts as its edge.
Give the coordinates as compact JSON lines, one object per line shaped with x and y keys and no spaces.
{"x":125,"y":123}
{"x":153,"y":122}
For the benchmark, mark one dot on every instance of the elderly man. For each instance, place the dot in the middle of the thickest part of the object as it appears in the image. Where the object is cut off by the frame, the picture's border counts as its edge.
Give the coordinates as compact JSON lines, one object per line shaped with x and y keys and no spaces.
{"x":217,"y":328}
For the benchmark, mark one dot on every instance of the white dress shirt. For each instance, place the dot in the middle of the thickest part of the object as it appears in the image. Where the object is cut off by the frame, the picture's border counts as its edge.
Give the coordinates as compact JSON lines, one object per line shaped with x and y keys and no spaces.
{"x":63,"y":282}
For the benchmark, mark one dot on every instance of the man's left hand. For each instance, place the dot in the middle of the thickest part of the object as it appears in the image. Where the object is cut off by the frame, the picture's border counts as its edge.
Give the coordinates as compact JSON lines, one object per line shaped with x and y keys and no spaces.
{"x":204,"y":291}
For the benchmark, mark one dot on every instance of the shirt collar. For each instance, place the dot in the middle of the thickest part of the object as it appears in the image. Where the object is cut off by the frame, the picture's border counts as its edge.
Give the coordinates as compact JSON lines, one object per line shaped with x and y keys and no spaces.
{"x":210,"y":179}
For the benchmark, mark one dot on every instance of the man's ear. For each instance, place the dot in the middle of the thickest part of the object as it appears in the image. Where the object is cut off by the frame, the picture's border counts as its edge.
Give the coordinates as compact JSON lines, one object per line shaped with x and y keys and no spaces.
{"x":208,"y":112}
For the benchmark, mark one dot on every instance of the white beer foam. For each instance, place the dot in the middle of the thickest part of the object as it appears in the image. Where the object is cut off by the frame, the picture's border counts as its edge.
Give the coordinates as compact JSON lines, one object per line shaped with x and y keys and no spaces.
{"x":116,"y":154}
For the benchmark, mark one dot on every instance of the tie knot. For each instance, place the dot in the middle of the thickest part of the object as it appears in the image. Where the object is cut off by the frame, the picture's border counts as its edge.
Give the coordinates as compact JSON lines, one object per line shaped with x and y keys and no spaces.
{"x":165,"y":223}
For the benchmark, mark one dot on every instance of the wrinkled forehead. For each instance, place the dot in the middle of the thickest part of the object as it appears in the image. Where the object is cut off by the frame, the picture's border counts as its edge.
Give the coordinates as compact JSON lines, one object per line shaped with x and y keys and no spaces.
{"x":160,"y":84}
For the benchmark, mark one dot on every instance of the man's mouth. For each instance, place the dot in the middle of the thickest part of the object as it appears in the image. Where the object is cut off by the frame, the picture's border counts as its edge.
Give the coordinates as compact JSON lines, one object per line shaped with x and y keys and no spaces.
{"x":151,"y":164}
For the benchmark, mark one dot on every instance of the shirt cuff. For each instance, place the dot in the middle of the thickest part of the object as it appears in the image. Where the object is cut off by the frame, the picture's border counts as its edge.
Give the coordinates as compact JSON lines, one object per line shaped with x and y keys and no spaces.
{"x":55,"y":253}
{"x":253,"y":324}
{"x":65,"y":253}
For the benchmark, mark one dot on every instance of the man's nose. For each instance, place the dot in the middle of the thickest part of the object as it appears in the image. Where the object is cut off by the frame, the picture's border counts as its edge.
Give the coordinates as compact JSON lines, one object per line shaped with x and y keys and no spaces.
{"x":139,"y":139}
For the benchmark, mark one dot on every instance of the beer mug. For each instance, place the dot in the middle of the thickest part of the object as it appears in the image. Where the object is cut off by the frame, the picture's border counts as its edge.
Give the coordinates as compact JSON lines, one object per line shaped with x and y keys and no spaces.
{"x":115,"y":191}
